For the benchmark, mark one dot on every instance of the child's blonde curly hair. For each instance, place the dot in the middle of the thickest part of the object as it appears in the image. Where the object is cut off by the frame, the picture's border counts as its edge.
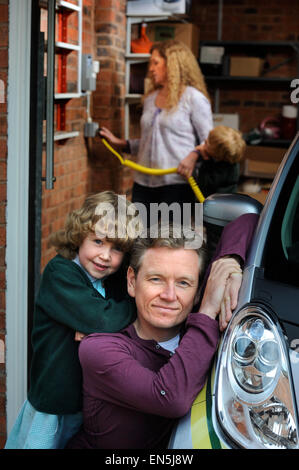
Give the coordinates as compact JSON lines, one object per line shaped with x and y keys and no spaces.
{"x":182,"y":70}
{"x":83,"y":221}
{"x":226,"y":144}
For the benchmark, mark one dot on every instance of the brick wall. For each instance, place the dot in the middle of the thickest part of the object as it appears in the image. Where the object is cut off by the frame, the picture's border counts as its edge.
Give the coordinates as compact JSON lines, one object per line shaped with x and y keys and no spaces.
{"x":72,"y":167}
{"x":3,"y":160}
{"x":81,"y":167}
{"x":252,"y":20}
{"x":108,"y":99}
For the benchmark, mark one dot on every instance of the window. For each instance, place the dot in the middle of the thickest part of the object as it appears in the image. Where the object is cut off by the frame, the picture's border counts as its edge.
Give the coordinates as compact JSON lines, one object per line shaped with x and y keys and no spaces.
{"x":281,"y":260}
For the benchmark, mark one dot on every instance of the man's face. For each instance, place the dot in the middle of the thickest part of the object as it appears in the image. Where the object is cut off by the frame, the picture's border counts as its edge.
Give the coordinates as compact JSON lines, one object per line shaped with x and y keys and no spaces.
{"x":164,"y":290}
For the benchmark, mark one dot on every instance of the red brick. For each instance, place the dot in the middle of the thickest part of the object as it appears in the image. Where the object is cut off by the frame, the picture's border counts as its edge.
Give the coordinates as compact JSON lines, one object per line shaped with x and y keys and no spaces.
{"x":3,"y":13}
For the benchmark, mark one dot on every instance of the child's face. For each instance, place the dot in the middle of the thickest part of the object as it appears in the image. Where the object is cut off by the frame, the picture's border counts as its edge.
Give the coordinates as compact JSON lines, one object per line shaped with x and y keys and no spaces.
{"x":204,"y":150}
{"x":99,"y":257}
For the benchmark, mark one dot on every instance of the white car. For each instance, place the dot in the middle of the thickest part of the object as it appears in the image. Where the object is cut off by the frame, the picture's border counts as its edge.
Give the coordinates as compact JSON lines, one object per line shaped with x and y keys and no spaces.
{"x":251,"y":398}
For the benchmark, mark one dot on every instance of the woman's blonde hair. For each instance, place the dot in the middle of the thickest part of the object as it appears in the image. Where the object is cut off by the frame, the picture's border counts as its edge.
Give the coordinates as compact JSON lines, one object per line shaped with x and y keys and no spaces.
{"x":182,"y":70}
{"x":106,"y":212}
{"x":226,"y":144}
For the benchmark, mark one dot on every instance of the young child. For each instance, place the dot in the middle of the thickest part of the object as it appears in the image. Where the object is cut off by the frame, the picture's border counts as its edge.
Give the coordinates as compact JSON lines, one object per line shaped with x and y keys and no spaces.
{"x":83,"y":288}
{"x":218,"y":170}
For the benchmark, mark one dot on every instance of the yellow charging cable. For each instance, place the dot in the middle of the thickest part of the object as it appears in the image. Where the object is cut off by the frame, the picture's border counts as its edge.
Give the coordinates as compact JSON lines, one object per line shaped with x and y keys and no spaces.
{"x":154,"y":171}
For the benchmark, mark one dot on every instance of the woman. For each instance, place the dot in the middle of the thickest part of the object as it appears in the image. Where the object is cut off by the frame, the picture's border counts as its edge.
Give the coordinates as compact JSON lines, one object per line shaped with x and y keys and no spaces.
{"x":176,"y":117}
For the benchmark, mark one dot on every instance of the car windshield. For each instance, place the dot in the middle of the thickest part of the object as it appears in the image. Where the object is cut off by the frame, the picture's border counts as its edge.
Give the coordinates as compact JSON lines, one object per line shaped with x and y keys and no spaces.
{"x":281,"y":259}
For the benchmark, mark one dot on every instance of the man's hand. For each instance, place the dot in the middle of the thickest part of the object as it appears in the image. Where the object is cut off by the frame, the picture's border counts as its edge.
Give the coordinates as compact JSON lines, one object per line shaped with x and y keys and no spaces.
{"x":230,"y":299}
{"x":218,"y":287}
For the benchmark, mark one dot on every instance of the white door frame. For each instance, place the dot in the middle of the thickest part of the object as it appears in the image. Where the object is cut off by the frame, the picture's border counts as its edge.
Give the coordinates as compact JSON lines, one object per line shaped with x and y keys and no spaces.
{"x":18,"y":110}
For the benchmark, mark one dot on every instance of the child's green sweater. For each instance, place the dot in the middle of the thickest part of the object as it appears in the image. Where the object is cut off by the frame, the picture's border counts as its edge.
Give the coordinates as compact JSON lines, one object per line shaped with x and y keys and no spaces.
{"x":67,"y":302}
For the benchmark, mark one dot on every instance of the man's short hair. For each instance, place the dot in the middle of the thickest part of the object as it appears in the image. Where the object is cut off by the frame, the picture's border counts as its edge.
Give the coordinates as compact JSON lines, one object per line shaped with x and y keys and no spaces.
{"x":171,"y":236}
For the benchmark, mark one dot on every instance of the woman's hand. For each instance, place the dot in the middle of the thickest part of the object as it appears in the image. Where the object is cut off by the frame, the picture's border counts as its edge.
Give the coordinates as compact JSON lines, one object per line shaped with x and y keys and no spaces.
{"x":187,"y":165}
{"x":104,"y":132}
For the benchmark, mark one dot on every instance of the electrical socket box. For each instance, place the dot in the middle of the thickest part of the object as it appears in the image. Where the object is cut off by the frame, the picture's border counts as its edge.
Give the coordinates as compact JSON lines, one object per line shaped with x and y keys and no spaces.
{"x":90,"y":129}
{"x":89,"y":70}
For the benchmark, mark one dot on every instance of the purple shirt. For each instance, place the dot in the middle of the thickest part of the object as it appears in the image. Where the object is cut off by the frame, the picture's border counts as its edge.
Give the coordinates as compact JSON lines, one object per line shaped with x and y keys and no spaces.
{"x":133,"y":389}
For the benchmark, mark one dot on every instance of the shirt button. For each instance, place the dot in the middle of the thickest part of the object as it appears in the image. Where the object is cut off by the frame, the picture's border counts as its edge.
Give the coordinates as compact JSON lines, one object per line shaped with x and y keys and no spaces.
{"x":170,"y":354}
{"x":157,"y":346}
{"x":163,"y":392}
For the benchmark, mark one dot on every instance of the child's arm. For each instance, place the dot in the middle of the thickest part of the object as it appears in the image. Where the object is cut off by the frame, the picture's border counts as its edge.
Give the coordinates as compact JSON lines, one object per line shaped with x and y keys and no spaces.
{"x":67,"y":297}
{"x":79,"y":336}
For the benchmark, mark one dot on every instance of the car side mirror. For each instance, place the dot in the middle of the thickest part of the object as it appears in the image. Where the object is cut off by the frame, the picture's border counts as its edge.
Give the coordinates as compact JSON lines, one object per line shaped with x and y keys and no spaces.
{"x":220,"y":209}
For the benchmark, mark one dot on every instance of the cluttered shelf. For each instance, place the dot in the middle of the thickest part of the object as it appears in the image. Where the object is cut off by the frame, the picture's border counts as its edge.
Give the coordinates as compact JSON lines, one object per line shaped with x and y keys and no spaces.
{"x":242,"y":44}
{"x":248,"y":61}
{"x":283,"y":143}
{"x":240,"y":78}
{"x":241,"y":82}
{"x":250,"y":66}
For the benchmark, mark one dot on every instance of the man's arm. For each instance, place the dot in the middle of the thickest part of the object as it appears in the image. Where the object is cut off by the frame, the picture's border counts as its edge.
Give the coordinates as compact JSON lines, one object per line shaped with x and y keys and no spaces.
{"x":112,"y":372}
{"x":236,"y":238}
{"x":232,"y":248}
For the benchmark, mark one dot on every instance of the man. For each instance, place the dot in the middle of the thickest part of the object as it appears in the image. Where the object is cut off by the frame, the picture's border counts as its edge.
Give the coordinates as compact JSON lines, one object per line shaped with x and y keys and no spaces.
{"x":139,"y":381}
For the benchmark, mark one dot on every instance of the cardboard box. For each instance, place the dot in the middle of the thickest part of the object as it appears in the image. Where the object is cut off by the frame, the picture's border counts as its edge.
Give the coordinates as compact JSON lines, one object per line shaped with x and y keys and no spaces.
{"x":211,"y":55}
{"x":229,"y":120}
{"x":246,"y":66}
{"x":262,"y":162}
{"x":261,"y":196}
{"x":187,"y":33}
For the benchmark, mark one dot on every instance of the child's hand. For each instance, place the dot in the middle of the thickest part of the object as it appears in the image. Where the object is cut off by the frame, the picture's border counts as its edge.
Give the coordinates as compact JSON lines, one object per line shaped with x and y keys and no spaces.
{"x":79,"y":336}
{"x":187,"y":165}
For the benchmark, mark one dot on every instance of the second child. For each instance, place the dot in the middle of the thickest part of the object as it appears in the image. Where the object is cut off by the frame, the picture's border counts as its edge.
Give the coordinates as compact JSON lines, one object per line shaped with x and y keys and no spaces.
{"x":216,"y":161}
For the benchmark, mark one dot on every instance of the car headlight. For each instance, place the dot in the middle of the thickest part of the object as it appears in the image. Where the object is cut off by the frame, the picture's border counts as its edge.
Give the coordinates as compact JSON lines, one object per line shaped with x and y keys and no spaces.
{"x":254,"y":397}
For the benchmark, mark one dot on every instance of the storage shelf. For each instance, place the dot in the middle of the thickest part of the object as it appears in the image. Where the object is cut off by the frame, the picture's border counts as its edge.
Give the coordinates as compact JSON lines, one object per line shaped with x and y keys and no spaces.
{"x":67,"y":46}
{"x":133,"y":56}
{"x":67,"y":96}
{"x":266,"y":81}
{"x":234,"y":78}
{"x":63,"y":135}
{"x":254,"y":44}
{"x":133,"y":96}
{"x":284,"y":143}
{"x":67,"y":5}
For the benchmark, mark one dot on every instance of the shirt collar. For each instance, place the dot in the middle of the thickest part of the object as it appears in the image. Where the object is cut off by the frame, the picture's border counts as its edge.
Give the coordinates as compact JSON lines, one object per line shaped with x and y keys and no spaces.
{"x":90,"y":277}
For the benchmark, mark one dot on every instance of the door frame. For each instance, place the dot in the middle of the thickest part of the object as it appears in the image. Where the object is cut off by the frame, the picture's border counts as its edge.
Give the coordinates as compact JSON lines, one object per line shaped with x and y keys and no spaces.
{"x":17,"y":205}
